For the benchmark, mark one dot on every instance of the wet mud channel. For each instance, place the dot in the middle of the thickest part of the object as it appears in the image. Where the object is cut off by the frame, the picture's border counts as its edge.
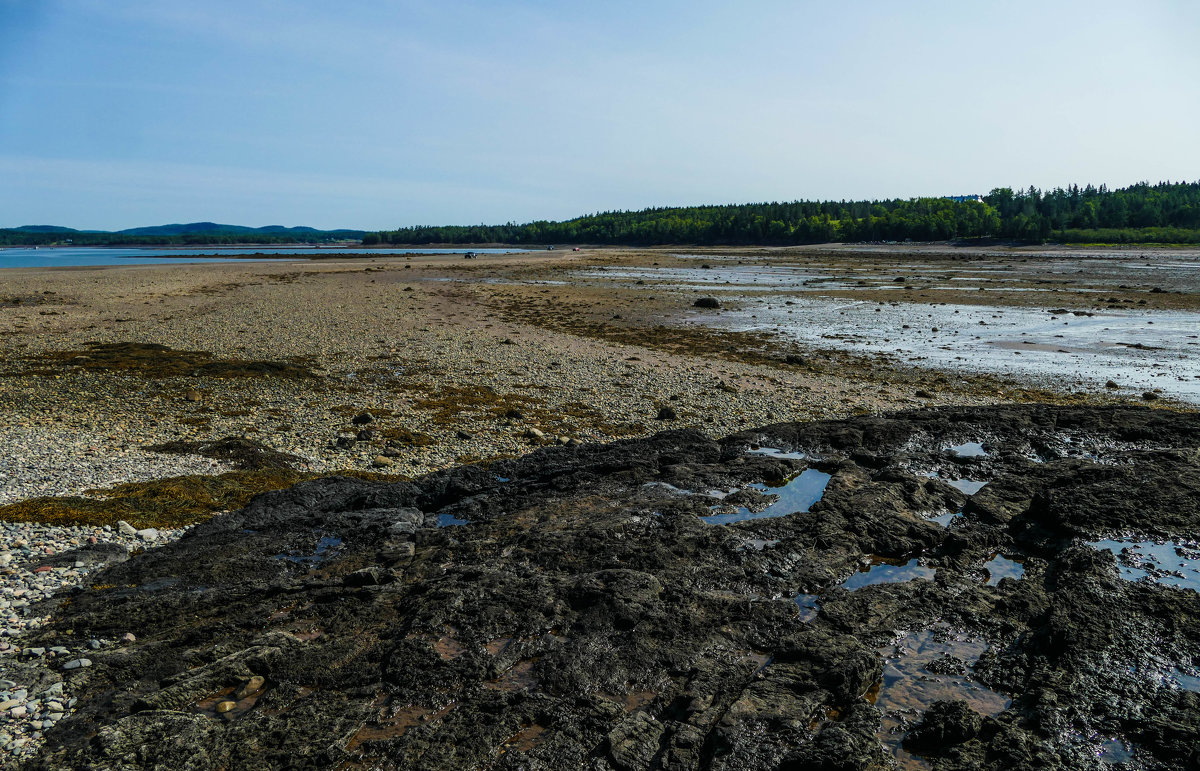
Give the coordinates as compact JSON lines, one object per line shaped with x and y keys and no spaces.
{"x":822,"y":595}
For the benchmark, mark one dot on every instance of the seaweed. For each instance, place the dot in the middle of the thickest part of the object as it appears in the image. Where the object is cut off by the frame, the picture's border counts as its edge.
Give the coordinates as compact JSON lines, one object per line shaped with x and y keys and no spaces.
{"x":152,"y":360}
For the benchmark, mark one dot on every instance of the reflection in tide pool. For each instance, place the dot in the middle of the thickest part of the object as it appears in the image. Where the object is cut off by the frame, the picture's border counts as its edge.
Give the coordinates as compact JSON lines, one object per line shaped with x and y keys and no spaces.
{"x":921,"y":668}
{"x":809,"y":605}
{"x":945,"y":519}
{"x":797,"y":495}
{"x":1000,"y":567}
{"x":775,"y":452}
{"x":967,"y":486}
{"x":881,"y":570}
{"x":968,"y":450}
{"x":449,"y":520}
{"x":1185,"y":681}
{"x":1171,"y":563}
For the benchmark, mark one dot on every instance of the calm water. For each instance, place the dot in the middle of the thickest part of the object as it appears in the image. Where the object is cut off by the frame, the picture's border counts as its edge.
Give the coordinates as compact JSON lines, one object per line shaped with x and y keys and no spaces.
{"x":68,"y":257}
{"x":1138,"y":349}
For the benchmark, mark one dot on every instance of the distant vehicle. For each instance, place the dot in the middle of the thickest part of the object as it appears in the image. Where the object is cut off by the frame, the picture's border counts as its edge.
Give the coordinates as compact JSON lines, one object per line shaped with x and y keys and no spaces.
{"x":470,"y":256}
{"x":575,"y":249}
{"x":549,"y":248}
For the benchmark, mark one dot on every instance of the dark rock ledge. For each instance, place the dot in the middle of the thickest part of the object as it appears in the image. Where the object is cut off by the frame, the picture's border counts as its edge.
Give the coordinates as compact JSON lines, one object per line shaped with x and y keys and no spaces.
{"x":586,"y":618}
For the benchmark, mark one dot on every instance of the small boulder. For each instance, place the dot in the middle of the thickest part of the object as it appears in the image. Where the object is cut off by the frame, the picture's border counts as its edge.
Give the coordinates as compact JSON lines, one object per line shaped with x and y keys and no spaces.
{"x":192,"y":395}
{"x":251,"y":686}
{"x":124,"y":528}
{"x":362,"y":419}
{"x":667,"y":413}
{"x":381,"y":461}
{"x":945,"y":724}
{"x":707,"y":302}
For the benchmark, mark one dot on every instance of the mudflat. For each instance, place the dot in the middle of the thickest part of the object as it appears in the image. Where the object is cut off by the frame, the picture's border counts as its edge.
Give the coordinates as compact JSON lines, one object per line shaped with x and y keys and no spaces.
{"x":457,"y":360}
{"x":139,"y":401}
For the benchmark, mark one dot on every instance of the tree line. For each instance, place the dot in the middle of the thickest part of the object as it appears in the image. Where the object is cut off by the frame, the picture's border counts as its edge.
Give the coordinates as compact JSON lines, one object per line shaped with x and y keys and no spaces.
{"x":27,"y":238}
{"x":1166,"y":212}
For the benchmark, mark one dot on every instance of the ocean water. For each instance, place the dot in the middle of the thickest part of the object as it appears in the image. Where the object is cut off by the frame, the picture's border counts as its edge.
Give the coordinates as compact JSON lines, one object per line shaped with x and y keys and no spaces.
{"x":95,"y":256}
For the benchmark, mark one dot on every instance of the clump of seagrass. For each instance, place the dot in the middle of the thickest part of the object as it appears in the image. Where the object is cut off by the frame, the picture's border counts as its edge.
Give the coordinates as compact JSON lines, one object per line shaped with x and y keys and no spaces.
{"x":158,"y":361}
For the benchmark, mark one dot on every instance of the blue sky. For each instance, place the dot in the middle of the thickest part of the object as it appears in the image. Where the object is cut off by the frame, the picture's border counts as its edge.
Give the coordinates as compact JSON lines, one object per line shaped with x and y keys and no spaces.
{"x":373,"y":114}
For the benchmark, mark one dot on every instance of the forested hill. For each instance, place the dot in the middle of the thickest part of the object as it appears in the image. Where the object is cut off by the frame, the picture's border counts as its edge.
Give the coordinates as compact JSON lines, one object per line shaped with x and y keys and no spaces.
{"x":195,"y":233}
{"x":1165,"y":212}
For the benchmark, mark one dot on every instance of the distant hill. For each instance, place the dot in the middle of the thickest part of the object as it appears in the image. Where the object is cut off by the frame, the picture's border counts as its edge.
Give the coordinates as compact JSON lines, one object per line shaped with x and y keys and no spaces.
{"x":45,"y":229}
{"x":199,"y":228}
{"x":192,"y":233}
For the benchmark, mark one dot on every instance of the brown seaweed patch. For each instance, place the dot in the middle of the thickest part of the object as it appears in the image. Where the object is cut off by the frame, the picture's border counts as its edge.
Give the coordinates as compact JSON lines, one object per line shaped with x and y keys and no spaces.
{"x":157,"y":361}
{"x":162,"y":503}
{"x":242,"y":453}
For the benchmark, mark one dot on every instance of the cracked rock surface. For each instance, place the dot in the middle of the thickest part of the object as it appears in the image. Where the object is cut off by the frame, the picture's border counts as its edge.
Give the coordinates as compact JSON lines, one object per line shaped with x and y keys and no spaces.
{"x":585,"y":618}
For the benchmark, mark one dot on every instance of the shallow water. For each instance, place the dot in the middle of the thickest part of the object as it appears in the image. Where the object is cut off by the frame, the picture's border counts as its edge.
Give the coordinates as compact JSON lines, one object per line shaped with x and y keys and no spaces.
{"x":1171,"y":563}
{"x":796,"y":495}
{"x":1139,"y":349}
{"x":325,"y":545}
{"x":809,"y":605}
{"x":967,"y":486}
{"x":945,"y":519}
{"x":884,"y":571}
{"x":77,"y":256}
{"x":449,"y":520}
{"x":1114,"y":751}
{"x":1000,"y":567}
{"x":776,"y":452}
{"x":968,"y":450}
{"x":921,"y":668}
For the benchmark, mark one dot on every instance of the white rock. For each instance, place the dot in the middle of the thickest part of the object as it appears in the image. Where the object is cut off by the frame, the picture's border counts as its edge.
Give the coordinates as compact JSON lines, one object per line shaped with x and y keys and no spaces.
{"x":124,"y":528}
{"x":149,"y":534}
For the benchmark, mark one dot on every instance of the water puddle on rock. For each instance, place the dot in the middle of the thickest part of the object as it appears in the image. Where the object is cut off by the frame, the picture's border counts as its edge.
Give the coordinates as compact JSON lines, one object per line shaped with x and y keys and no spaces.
{"x":1000,"y":567}
{"x":966,"y":486}
{"x":968,"y":450}
{"x":325,"y":545}
{"x":231,"y":703}
{"x":775,"y":452}
{"x":394,"y":722}
{"x":795,"y":495}
{"x":449,"y":520}
{"x":1184,"y":681}
{"x":518,"y":678}
{"x":809,"y":605}
{"x":525,"y":739}
{"x":1114,"y":752}
{"x":1170,"y":563}
{"x":921,"y":668}
{"x":945,"y":519}
{"x":883,"y":570}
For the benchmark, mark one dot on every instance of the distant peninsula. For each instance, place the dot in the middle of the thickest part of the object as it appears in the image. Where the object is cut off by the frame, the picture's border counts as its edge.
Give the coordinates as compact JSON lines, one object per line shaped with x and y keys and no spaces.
{"x":193,"y":233}
{"x":1163,"y":213}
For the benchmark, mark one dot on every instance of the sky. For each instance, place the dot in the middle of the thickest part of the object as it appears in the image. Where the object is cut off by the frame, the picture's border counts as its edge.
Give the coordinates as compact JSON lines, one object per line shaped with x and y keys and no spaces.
{"x":376,"y":114}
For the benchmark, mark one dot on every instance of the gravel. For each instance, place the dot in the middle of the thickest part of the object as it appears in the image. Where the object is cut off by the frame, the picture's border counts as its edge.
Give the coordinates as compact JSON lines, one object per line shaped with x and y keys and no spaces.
{"x":38,"y":562}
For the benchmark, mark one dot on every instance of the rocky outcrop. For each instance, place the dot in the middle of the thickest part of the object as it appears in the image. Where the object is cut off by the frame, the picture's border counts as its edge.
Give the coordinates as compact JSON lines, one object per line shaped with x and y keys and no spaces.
{"x":587,"y":617}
